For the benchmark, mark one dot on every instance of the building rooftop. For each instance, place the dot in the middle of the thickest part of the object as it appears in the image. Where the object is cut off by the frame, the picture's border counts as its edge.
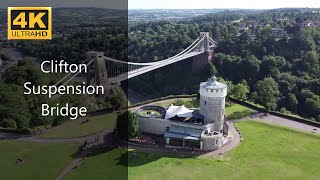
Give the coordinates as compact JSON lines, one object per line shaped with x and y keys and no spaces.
{"x":183,"y":114}
{"x":179,"y":111}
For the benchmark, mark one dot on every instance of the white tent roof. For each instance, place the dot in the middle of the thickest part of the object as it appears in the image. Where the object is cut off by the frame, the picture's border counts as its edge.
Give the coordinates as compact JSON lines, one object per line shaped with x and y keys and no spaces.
{"x":180,"y":111}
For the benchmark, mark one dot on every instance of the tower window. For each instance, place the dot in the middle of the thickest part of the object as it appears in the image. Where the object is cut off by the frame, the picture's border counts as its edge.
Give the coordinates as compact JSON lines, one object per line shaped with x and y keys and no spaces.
{"x":205,"y":102}
{"x":211,"y":90}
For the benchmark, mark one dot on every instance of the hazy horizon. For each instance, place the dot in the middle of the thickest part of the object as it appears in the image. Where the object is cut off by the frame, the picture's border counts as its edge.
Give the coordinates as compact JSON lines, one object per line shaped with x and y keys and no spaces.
{"x":226,"y":4}
{"x":180,"y":9}
{"x":220,"y":8}
{"x":168,"y":4}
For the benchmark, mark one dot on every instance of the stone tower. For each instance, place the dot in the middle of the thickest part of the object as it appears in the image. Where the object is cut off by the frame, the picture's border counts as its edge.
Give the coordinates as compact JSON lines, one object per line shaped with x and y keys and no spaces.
{"x":212,"y":103}
{"x":97,"y":72}
{"x":201,"y":60}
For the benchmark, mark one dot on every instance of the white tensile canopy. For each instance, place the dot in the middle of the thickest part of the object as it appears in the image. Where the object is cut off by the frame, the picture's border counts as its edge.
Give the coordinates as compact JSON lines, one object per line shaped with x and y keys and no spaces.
{"x":180,"y":111}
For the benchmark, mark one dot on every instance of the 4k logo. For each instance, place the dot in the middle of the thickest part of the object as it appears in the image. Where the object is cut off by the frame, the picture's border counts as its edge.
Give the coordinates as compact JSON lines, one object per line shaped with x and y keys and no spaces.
{"x":29,"y":23}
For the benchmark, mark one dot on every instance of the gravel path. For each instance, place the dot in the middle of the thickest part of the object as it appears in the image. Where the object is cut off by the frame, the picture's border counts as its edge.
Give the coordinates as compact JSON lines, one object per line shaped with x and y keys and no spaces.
{"x":289,"y":123}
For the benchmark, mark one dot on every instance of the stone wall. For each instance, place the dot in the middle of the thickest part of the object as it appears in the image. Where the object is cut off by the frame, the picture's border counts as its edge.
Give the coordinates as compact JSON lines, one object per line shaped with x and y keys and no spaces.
{"x":211,"y":143}
{"x":213,"y":110}
{"x":159,"y":126}
{"x":153,"y":125}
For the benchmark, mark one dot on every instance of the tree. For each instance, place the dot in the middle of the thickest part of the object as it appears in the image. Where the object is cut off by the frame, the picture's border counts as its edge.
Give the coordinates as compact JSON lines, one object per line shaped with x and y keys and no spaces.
{"x":24,"y":71}
{"x":292,"y":102}
{"x":118,"y":98}
{"x":133,"y":126}
{"x":213,"y":69}
{"x":312,"y":106}
{"x":310,"y":62}
{"x":127,"y":125}
{"x":271,"y":64}
{"x":216,"y":33}
{"x":228,"y":83}
{"x":13,"y":105}
{"x":267,"y":93}
{"x":249,"y":67}
{"x":254,"y":97}
{"x":240,"y":91}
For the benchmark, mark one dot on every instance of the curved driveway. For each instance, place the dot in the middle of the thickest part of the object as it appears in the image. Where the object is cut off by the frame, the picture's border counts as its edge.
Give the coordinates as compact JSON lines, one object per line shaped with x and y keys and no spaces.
{"x":289,"y":123}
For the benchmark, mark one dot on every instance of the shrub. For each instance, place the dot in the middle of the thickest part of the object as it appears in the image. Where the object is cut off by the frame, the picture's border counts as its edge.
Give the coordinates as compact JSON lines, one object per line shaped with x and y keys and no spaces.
{"x":228,"y":104}
{"x":9,"y":123}
{"x":178,"y":102}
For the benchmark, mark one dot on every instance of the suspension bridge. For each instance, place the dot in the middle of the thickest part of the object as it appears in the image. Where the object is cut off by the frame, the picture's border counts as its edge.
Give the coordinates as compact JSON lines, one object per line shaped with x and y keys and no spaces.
{"x":105,"y":71}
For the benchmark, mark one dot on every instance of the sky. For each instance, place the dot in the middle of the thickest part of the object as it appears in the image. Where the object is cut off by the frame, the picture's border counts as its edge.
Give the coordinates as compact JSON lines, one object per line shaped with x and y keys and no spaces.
{"x":166,"y":4}
{"x":224,"y":4}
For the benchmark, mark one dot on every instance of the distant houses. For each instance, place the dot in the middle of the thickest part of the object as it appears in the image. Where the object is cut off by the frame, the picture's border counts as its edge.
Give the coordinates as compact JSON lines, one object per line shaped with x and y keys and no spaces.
{"x":278,"y":32}
{"x":309,"y":23}
{"x":277,"y":29}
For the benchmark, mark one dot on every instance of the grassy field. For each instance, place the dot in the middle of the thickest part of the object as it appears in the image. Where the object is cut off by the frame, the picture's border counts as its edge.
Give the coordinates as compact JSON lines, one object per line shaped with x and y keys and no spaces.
{"x":268,"y":152}
{"x":238,"y":20}
{"x":188,"y":102}
{"x":108,"y":164}
{"x":152,"y":112}
{"x":41,"y":160}
{"x":237,"y":111}
{"x":77,"y":129}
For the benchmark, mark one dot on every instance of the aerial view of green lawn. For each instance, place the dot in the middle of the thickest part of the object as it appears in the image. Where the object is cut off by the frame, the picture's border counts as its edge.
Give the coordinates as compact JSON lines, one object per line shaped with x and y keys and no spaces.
{"x":269,"y":151}
{"x":237,"y":111}
{"x":103,"y":164}
{"x":188,"y":102}
{"x":77,"y":128}
{"x":41,"y":160}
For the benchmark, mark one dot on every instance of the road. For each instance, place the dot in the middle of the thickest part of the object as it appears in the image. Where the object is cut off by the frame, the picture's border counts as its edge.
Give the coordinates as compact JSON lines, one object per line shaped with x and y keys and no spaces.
{"x":289,"y":123}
